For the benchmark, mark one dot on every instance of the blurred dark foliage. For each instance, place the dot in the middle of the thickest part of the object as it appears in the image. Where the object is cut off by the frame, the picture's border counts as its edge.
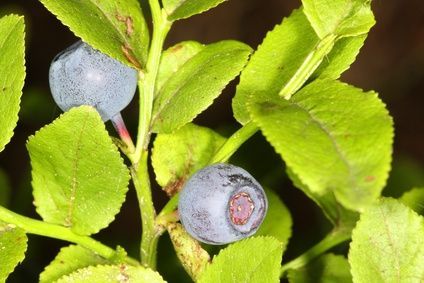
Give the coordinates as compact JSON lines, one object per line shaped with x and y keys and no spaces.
{"x":391,"y":62}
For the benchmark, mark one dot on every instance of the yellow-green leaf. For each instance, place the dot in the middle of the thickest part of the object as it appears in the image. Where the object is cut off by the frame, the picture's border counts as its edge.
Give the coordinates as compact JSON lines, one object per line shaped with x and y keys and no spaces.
{"x":79,"y":178}
{"x":388,"y":244}
{"x":114,"y":27}
{"x":12,"y":74}
{"x":112,"y":274}
{"x":256,"y":259}
{"x":13,"y":244}
{"x":334,"y":137}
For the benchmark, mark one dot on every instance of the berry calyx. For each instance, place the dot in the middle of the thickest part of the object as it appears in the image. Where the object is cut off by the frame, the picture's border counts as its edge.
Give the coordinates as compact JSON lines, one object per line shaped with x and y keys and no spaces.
{"x":241,"y":208}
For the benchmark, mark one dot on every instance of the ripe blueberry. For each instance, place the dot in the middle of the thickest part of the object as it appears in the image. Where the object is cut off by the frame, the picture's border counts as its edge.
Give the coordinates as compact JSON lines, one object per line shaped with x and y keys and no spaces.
{"x":221,"y":204}
{"x":81,"y":75}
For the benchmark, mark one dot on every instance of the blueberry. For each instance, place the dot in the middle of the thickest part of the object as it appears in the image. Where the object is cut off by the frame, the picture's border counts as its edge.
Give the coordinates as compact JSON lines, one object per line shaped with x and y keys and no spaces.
{"x":81,"y":75}
{"x":221,"y":204}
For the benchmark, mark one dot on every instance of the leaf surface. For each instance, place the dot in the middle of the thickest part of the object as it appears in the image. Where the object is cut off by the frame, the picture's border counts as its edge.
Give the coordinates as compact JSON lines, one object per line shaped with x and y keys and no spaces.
{"x":197,"y":83}
{"x":13,"y":244}
{"x":173,"y":59}
{"x":78,"y":176}
{"x":112,"y":274}
{"x":180,"y":9}
{"x":12,"y":74}
{"x":388,"y":244}
{"x":334,"y":137}
{"x":192,"y":149}
{"x":254,"y":259}
{"x":340,"y":17}
{"x":280,"y":56}
{"x":116,"y":28}
{"x":338,"y":215}
{"x":68,"y":260}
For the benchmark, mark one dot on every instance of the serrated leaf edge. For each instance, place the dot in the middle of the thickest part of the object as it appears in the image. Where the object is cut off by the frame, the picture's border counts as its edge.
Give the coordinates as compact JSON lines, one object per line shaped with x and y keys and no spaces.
{"x":219,"y":92}
{"x":247,"y":240}
{"x":114,"y":148}
{"x":251,"y":102}
{"x":22,"y":257}
{"x":171,"y":16}
{"x":120,"y":266}
{"x":125,"y":46}
{"x":238,"y":117}
{"x":13,"y":126}
{"x":379,"y":202}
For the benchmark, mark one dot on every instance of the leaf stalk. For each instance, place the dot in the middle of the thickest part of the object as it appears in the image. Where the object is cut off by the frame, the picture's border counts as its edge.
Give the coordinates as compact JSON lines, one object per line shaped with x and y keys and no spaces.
{"x":37,"y":227}
{"x":337,"y":236}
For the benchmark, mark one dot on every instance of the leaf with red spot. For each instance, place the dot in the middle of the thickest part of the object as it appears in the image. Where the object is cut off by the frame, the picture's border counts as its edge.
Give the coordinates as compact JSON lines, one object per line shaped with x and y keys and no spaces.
{"x":116,"y":28}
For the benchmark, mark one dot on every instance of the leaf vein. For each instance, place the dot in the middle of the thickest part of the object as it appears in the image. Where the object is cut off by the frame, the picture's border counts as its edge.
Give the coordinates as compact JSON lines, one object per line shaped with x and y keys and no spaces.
{"x":74,"y":181}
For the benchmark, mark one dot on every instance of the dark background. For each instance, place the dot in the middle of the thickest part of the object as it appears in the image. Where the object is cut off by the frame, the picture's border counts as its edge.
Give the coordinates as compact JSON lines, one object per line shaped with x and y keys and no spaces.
{"x":391,"y":62}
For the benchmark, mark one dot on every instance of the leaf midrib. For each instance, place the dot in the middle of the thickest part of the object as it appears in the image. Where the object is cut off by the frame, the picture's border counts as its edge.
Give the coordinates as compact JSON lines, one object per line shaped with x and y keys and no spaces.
{"x":336,"y":146}
{"x":6,"y":39}
{"x":11,"y":31}
{"x":391,"y":244}
{"x":74,"y":181}
{"x":259,"y":264}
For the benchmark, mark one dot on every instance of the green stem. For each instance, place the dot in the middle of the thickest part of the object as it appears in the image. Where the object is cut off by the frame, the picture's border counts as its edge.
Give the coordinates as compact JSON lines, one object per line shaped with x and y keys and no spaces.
{"x":41,"y":228}
{"x":139,"y":172}
{"x":234,"y":142}
{"x":309,"y":65}
{"x":170,"y":206}
{"x":147,"y":81}
{"x":140,"y":176}
{"x":337,"y":236}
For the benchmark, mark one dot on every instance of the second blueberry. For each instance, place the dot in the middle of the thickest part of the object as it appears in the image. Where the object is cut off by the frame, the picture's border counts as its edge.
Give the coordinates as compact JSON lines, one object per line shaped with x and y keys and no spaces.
{"x":221,"y":204}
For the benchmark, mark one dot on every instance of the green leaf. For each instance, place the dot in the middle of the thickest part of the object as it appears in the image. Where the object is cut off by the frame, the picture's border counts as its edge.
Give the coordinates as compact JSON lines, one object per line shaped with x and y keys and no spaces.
{"x":414,"y":199}
{"x":328,"y":268}
{"x":334,"y":137}
{"x":173,"y":59}
{"x":13,"y":244}
{"x":111,"y":274}
{"x":78,"y":175}
{"x":278,"y":221}
{"x":339,"y":17}
{"x":68,"y":260}
{"x":388,"y":244}
{"x":340,"y":58}
{"x":4,"y":189}
{"x":12,"y":73}
{"x":280,"y":56}
{"x":181,"y":9}
{"x":255,"y":259}
{"x":197,"y":83}
{"x":116,"y":28}
{"x":192,"y":149}
{"x":333,"y":210}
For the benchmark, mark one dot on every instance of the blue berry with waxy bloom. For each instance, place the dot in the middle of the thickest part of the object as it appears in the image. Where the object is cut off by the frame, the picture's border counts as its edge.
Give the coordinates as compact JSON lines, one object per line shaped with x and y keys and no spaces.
{"x":222,"y":203}
{"x":81,"y":75}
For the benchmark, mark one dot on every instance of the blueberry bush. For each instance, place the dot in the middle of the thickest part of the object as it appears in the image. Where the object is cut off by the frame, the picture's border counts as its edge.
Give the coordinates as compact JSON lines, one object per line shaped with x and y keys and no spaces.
{"x":334,"y":138}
